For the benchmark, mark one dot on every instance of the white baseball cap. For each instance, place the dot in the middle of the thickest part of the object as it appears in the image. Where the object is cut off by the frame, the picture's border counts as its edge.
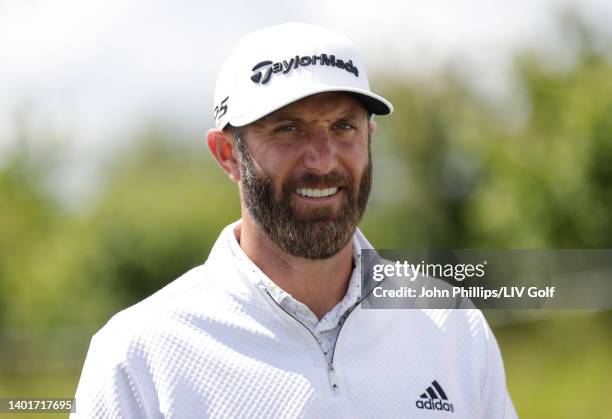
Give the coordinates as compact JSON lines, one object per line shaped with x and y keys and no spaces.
{"x":279,"y":65}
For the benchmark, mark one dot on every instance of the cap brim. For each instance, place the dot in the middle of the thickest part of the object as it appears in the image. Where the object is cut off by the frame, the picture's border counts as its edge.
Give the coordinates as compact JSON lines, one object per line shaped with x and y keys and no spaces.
{"x":372,"y":102}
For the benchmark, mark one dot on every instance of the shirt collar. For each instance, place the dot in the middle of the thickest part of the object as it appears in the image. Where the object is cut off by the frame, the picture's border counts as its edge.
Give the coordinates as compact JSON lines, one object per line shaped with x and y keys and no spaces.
{"x":294,"y":307}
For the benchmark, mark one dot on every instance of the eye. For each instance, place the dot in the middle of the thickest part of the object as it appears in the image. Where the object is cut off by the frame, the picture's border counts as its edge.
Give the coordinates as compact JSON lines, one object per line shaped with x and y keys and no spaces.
{"x":286,"y":128}
{"x":343,"y":126}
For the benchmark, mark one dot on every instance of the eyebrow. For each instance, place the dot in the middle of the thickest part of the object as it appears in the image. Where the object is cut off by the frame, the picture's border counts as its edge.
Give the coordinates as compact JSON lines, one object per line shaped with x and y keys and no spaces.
{"x":292,"y":116}
{"x":284,"y":116}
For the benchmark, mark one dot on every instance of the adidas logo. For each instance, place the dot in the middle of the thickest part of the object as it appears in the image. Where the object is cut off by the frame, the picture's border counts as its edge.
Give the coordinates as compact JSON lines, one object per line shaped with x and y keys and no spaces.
{"x":434,"y":398}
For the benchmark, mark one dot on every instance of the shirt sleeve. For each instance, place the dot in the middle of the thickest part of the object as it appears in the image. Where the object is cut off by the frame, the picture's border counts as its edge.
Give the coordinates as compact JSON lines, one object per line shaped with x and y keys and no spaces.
{"x":494,"y":392}
{"x":107,"y":387}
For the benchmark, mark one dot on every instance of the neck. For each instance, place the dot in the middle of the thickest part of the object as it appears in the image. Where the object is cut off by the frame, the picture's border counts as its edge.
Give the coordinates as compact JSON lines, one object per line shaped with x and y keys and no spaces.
{"x":319,"y":284}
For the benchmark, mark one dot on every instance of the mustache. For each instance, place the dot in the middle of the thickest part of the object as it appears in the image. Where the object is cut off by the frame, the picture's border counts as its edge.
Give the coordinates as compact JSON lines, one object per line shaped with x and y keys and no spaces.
{"x":313,"y":180}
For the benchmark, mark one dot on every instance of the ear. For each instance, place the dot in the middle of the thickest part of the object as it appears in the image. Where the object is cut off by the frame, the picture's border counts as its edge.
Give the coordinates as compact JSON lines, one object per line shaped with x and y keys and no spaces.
{"x":222,"y":147}
{"x":372,"y":127}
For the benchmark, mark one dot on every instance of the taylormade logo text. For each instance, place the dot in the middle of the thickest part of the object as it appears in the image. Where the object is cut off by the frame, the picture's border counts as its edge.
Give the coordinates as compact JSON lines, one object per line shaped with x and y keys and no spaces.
{"x":264,"y":70}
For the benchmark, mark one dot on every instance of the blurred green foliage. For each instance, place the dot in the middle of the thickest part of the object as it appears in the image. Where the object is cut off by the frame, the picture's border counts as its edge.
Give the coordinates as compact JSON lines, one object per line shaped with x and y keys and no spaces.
{"x":560,"y":367}
{"x":451,"y":169}
{"x":470,"y":179}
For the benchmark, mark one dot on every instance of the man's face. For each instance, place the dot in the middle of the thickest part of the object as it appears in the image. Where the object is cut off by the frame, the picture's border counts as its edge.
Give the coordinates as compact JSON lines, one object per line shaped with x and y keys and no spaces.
{"x":306,"y":173}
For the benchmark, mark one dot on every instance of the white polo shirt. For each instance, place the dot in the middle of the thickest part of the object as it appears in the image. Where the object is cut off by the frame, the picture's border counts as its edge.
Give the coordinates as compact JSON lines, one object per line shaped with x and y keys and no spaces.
{"x":327,"y":328}
{"x":215,"y":344}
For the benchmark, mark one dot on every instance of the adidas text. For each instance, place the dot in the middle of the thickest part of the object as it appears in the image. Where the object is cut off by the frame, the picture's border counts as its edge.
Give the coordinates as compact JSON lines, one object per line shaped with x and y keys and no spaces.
{"x":435,"y":398}
{"x":435,"y":405}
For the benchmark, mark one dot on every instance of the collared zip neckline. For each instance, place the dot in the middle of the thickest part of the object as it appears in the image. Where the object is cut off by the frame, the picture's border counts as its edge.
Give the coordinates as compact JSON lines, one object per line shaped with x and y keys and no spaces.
{"x":331,"y":372}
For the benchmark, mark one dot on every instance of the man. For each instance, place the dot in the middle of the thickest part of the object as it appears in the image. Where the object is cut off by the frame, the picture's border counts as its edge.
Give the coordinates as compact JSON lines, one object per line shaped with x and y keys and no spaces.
{"x":271,"y":325}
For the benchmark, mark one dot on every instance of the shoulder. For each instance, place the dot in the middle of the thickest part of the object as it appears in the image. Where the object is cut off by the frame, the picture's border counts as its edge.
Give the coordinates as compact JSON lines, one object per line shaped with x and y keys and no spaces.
{"x":467,"y":325}
{"x":191,"y":304}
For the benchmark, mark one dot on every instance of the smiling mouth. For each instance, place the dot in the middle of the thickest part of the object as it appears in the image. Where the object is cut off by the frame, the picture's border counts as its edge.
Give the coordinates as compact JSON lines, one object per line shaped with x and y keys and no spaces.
{"x":316,"y":193}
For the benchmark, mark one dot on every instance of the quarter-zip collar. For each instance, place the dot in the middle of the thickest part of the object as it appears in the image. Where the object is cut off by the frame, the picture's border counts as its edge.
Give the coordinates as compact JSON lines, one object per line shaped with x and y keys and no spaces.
{"x":325,"y":330}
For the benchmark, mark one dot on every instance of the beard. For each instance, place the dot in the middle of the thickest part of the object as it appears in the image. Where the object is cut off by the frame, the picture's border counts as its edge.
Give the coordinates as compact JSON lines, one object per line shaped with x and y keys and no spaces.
{"x":313,"y":233}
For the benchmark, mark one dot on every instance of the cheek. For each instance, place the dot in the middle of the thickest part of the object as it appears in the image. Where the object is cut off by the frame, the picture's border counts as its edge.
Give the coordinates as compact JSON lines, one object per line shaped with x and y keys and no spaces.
{"x":277,"y":170}
{"x":277,"y":162}
{"x":355,"y":156}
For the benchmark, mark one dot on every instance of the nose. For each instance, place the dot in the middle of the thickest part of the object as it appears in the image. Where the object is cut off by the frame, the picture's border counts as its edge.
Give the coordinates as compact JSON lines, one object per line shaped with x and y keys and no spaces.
{"x":320,"y":154}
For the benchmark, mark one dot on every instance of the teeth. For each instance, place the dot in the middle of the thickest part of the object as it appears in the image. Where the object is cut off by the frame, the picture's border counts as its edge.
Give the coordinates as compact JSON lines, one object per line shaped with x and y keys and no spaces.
{"x":316,"y":193}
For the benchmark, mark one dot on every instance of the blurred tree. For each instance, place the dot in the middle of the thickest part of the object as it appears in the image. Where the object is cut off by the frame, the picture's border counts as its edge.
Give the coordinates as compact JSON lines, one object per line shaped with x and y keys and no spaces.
{"x":426,"y":165}
{"x":454,"y":174}
{"x":552,"y":175}
{"x":159,"y":216}
{"x":449,"y":172}
{"x":27,"y":212}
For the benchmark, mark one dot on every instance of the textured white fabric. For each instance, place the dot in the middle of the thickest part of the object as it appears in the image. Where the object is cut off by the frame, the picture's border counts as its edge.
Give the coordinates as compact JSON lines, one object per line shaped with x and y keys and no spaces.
{"x":213,"y":344}
{"x":325,"y":330}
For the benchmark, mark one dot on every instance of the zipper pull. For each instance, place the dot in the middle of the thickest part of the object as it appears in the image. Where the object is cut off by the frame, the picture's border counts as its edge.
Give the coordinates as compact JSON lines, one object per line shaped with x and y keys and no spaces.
{"x":332,"y":379}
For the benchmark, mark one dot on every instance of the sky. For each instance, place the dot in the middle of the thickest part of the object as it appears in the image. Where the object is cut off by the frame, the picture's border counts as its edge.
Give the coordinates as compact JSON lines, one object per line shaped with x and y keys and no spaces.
{"x":95,"y":71}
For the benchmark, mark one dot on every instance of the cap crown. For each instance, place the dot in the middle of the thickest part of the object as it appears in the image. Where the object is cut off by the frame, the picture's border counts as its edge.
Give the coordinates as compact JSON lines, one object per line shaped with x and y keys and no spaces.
{"x":278,"y":65}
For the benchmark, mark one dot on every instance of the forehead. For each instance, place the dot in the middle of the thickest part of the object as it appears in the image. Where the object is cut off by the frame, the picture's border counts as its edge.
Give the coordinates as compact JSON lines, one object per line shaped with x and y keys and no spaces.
{"x":328,"y":105}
